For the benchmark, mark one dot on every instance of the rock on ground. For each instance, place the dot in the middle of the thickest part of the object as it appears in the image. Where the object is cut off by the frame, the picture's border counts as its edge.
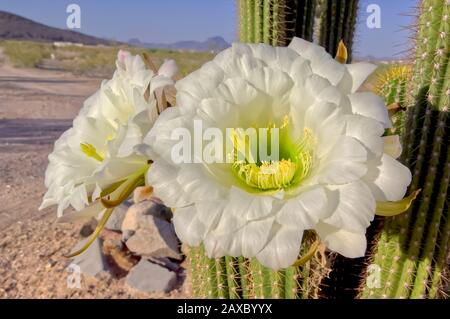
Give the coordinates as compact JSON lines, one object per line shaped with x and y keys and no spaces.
{"x":92,"y":262}
{"x":149,"y":277}
{"x":157,"y":240}
{"x":115,"y":221}
{"x":32,"y":265}
{"x":133,"y":218}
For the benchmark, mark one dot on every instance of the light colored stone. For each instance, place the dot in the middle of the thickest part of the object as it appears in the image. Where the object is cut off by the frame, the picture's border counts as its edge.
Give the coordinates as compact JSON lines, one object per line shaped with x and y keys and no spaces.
{"x":149,"y":277}
{"x":91,"y":262}
{"x":133,"y":220}
{"x":156,"y":239}
{"x":115,"y":221}
{"x":142,"y":193}
{"x":130,"y":222}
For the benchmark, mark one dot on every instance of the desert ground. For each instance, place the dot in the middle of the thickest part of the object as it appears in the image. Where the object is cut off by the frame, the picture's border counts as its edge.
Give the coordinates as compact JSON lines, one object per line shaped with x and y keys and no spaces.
{"x":36,"y":106}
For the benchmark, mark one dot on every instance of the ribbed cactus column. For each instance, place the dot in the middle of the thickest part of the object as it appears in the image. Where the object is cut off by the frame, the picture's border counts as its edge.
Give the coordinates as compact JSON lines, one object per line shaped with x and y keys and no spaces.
{"x":413,"y":248}
{"x":239,"y":277}
{"x":275,"y":22}
{"x":338,"y":23}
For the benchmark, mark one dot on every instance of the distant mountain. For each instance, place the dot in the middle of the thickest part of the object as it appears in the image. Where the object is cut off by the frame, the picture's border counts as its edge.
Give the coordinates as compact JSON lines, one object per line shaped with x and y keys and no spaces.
{"x":19,"y":28}
{"x":214,"y":44}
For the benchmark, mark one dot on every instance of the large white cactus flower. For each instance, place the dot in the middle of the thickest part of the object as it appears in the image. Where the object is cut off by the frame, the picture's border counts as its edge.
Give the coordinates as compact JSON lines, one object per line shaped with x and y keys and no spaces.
{"x":98,"y":151}
{"x":332,"y":169}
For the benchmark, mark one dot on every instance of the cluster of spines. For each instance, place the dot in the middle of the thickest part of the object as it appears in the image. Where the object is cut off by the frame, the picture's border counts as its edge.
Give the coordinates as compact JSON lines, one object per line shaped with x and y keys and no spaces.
{"x":413,"y":248}
{"x":391,"y":84}
{"x":275,"y":22}
{"x":338,"y":23}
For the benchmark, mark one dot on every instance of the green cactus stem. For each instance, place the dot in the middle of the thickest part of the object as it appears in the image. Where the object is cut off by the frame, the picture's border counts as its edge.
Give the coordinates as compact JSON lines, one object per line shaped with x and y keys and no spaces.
{"x":239,"y":277}
{"x":338,"y":22}
{"x":275,"y":22}
{"x":412,"y":248}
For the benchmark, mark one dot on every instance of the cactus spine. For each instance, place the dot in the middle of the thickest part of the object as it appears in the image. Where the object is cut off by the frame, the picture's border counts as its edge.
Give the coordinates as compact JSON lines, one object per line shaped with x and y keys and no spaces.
{"x":413,"y":248}
{"x":338,"y":23}
{"x":275,"y":22}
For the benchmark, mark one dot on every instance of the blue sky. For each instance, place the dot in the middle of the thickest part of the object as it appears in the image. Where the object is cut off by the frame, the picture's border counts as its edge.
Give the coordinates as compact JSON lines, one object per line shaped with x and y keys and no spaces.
{"x":174,"y":20}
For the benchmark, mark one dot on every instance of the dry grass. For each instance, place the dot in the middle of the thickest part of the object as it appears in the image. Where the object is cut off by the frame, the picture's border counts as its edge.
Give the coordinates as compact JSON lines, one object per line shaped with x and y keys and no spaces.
{"x":24,"y":53}
{"x":91,"y":60}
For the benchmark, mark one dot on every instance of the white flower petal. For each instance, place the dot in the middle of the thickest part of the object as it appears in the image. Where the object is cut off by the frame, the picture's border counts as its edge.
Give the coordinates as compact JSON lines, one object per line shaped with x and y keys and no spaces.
{"x":160,"y":136}
{"x":274,"y":57}
{"x":274,"y":83}
{"x":370,"y":105}
{"x":304,"y":96}
{"x":188,"y":227}
{"x":304,"y":210}
{"x":163,"y":178}
{"x":240,"y":65}
{"x":353,"y":204}
{"x":283,"y":247}
{"x":348,"y":244}
{"x":392,"y":146}
{"x":209,"y":213}
{"x":359,"y":73}
{"x":387,"y":178}
{"x":196,"y":182}
{"x":249,"y":206}
{"x":323,"y":120}
{"x":117,"y":168}
{"x":237,"y":91}
{"x":248,"y":240}
{"x":91,"y":211}
{"x":218,"y":113}
{"x":321,"y":62}
{"x":169,"y":68}
{"x":198,"y":85}
{"x":367,"y":131}
{"x":214,"y":246}
{"x":345,"y":163}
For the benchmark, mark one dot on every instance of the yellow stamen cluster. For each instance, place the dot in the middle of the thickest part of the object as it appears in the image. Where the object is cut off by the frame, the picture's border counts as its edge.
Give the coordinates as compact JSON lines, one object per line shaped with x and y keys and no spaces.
{"x":295,"y":163}
{"x":274,"y":175}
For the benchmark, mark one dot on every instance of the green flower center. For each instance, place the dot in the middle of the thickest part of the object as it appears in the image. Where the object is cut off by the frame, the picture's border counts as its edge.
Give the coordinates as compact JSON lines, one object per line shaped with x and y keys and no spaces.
{"x":293,"y":165}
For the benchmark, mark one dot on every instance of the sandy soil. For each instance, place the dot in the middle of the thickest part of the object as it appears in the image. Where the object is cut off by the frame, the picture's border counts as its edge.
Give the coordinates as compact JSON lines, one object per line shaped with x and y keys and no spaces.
{"x":36,"y":106}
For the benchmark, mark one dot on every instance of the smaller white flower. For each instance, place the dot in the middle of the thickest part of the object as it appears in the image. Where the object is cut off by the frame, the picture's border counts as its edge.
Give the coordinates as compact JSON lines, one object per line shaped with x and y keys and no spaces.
{"x":99,"y":150}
